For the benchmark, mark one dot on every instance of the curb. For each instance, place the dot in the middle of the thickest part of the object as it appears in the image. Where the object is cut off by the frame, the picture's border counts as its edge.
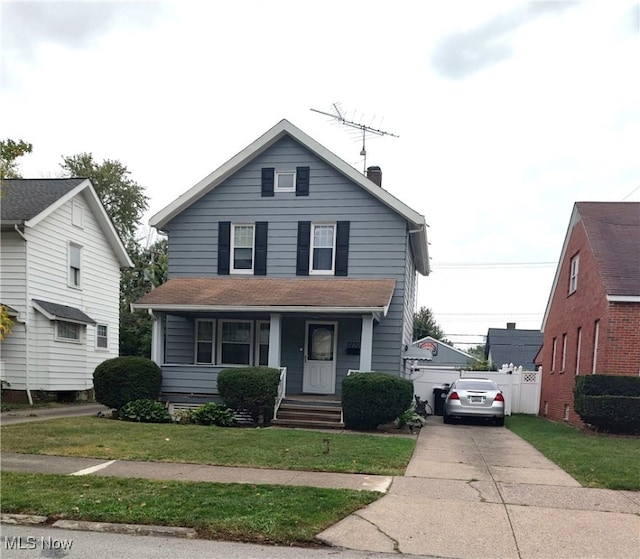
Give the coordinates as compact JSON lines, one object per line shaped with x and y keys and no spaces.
{"x":111,"y":527}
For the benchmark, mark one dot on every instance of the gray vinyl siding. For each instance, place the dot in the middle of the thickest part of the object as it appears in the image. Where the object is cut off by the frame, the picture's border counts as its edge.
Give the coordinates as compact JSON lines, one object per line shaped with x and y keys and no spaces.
{"x":378,"y":240}
{"x":378,"y":248}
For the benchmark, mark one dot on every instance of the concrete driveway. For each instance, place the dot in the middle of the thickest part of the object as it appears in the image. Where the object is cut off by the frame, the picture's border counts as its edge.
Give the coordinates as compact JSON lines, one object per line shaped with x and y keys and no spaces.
{"x":478,"y":491}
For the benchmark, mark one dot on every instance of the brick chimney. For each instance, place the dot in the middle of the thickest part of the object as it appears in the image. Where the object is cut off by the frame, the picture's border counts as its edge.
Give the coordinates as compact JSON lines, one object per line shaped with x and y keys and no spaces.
{"x":511,"y":325}
{"x":375,"y":174}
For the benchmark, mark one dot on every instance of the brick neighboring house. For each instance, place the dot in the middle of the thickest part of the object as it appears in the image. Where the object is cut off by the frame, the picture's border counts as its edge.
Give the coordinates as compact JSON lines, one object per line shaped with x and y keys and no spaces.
{"x":592,"y":321}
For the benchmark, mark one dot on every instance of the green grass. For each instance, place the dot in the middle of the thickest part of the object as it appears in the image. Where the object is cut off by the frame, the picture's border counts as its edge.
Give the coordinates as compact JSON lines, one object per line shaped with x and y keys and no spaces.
{"x":253,"y":513}
{"x":288,"y":449}
{"x":605,"y":461}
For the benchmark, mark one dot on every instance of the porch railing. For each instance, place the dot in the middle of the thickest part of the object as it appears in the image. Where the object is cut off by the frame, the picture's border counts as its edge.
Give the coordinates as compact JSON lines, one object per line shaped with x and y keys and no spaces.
{"x":282,"y":387}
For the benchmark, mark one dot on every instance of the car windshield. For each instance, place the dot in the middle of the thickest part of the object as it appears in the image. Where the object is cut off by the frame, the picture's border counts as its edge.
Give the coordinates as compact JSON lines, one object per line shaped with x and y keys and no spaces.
{"x":476,"y":385}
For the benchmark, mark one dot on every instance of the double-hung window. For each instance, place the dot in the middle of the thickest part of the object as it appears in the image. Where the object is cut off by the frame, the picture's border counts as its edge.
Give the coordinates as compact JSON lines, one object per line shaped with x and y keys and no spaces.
{"x":75,"y":256}
{"x":102,"y":338}
{"x":236,"y":342}
{"x":262,"y":343}
{"x":242,"y":248}
{"x":323,"y":248}
{"x":573,"y":277}
{"x":204,"y":341}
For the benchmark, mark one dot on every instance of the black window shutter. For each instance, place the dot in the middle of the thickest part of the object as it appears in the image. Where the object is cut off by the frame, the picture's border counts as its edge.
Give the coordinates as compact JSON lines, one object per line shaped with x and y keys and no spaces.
{"x":342,"y":248}
{"x":224,"y":247}
{"x":302,"y":181}
{"x":268,"y":174}
{"x":260,"y":263}
{"x":304,"y":242}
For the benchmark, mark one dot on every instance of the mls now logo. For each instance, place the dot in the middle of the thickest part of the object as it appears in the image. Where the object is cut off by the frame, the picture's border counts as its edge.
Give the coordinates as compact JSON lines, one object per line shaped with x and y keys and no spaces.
{"x":31,"y":542}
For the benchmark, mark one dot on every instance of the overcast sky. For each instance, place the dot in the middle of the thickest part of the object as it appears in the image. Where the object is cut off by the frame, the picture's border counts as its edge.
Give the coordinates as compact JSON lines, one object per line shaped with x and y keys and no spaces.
{"x":506,"y":113}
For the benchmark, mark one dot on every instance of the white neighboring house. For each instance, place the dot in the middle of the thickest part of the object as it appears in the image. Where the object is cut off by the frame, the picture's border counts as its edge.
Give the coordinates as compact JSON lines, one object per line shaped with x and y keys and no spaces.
{"x":60,"y":262}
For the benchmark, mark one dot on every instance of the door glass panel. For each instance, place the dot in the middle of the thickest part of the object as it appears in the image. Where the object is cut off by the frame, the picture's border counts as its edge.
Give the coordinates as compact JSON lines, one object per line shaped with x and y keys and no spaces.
{"x":321,"y":343}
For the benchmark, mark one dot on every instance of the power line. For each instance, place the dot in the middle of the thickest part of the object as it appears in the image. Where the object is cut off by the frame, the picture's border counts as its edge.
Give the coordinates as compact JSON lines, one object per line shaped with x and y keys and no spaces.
{"x":493,"y":264}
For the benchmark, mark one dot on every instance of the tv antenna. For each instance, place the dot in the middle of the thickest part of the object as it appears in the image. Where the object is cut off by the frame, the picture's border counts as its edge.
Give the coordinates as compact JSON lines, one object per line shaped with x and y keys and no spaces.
{"x":337,"y":115}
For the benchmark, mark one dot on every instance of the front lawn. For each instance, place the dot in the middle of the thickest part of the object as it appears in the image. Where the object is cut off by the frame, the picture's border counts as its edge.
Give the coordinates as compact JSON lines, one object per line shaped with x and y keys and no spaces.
{"x":606,"y":461}
{"x":253,"y":513}
{"x":289,"y":449}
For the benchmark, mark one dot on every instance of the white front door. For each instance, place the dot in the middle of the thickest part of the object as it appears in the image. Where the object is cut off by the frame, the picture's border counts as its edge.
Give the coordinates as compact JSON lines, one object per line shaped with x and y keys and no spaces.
{"x":319,"y":373}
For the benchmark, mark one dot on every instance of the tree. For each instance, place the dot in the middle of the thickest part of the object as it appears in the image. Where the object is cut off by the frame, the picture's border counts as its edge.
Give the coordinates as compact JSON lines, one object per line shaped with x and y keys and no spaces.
{"x":10,"y":150}
{"x":6,"y":324}
{"x":149,"y":271}
{"x":123,"y":198}
{"x":480,"y":363}
{"x":424,"y":324}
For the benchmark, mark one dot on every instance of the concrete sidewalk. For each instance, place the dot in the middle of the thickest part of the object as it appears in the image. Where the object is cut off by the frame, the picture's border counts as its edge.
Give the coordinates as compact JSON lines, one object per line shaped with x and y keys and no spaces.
{"x":470,"y":491}
{"x":475,"y":491}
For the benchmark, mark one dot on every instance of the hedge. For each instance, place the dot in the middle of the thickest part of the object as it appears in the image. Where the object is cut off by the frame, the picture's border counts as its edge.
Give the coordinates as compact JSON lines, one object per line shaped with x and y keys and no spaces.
{"x":609,"y":402}
{"x":250,"y":389}
{"x":121,"y":380}
{"x":372,"y":399}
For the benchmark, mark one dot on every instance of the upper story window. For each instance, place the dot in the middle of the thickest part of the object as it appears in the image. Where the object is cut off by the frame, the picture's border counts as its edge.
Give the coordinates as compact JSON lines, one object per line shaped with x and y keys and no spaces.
{"x":102,"y":336}
{"x":75,"y":259}
{"x":323,"y":244}
{"x":76,"y":214}
{"x":573,"y":274}
{"x":285,"y":181}
{"x":242,"y":249}
{"x":68,"y":331}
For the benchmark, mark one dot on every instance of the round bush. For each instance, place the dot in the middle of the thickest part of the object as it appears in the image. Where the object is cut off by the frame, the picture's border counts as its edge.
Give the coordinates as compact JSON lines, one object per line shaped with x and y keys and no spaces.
{"x":125,"y":379}
{"x":372,"y":399}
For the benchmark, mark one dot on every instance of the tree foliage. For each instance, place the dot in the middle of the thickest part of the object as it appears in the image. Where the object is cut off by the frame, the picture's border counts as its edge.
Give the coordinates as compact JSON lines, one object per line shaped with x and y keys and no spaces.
{"x":10,"y":150}
{"x":122,"y":197}
{"x":6,"y":324}
{"x":149,"y":271}
{"x":424,"y":324}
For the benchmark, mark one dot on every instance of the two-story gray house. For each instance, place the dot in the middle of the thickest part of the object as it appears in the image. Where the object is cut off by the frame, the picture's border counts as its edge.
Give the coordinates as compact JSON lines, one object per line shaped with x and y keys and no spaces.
{"x":288,"y":257}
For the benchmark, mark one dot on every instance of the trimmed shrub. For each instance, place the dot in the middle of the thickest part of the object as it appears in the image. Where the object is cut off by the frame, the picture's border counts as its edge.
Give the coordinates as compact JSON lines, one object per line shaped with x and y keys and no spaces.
{"x":213,"y":414}
{"x":121,"y":380}
{"x":609,"y":402}
{"x":372,"y":399}
{"x":250,"y":389}
{"x":145,"y":411}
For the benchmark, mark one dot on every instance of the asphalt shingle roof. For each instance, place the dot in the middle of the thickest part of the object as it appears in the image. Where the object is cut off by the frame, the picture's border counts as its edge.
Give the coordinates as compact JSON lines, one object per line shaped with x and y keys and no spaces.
{"x":221,"y":292}
{"x":64,"y":312}
{"x":613,"y":230}
{"x":509,"y":345}
{"x":23,"y":199}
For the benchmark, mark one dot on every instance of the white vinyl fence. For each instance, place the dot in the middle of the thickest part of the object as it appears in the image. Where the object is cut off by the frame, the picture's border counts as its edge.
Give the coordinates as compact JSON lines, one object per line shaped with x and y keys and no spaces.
{"x":521,"y":389}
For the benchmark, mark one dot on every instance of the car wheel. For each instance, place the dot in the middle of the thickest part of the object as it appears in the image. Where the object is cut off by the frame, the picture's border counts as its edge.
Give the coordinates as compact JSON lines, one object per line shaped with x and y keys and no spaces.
{"x":500,"y":421}
{"x":446,"y":419}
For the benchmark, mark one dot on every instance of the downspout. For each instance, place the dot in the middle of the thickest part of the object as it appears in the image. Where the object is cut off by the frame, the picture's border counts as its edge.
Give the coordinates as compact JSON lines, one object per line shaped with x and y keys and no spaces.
{"x":26,"y":314}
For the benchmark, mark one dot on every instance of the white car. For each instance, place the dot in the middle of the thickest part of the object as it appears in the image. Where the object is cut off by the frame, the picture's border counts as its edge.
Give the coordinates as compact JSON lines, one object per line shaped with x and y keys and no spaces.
{"x":474,"y":398}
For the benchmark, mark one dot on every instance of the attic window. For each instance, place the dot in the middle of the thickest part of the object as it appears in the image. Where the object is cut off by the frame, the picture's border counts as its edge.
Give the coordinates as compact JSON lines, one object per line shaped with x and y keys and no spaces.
{"x":285,"y":181}
{"x":573,"y":276}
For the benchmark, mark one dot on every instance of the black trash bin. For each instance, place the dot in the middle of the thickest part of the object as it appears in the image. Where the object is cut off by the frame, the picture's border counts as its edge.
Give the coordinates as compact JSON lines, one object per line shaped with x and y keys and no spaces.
{"x":439,"y":394}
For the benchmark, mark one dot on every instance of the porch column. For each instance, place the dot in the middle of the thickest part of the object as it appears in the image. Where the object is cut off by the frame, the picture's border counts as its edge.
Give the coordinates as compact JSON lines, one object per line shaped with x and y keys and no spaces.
{"x":366,"y":342}
{"x":274,"y":340}
{"x":157,"y":338}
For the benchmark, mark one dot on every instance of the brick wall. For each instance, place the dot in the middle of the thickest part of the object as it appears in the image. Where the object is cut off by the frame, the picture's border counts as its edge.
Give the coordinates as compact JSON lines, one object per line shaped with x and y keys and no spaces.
{"x":571,"y":321}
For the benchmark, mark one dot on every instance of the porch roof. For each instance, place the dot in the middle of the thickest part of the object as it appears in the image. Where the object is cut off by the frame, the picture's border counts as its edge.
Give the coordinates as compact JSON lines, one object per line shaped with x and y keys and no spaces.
{"x":297,"y":295}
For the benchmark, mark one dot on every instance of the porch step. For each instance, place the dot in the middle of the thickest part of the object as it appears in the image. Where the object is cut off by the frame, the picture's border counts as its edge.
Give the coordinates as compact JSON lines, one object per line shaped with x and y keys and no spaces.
{"x":319,"y":415}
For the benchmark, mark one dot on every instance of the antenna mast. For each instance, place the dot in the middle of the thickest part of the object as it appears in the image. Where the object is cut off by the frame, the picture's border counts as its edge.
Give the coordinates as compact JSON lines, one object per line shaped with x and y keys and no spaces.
{"x":339,"y":117}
